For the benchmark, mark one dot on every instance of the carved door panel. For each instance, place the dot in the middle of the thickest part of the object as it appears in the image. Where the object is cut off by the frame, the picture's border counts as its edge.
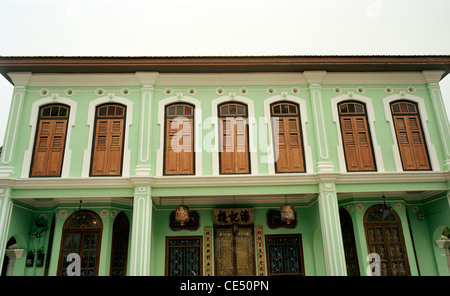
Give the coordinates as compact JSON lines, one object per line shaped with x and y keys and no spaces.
{"x":234,"y":251}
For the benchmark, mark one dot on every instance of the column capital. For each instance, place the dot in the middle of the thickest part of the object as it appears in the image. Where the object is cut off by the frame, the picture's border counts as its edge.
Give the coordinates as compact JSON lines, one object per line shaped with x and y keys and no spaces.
{"x":433,"y":76}
{"x":147,"y":79}
{"x":315,"y":78}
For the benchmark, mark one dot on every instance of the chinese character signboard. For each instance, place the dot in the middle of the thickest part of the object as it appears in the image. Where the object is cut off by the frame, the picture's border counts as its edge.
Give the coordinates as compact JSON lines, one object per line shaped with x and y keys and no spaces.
{"x":260,"y":250}
{"x":242,"y":216}
{"x":208,"y":250}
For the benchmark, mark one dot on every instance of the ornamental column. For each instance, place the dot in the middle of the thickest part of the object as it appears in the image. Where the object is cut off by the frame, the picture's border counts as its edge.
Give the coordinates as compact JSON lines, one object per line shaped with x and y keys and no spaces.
{"x":330,"y":223}
{"x":20,"y":81}
{"x":141,"y":231}
{"x":6,"y":206}
{"x":315,"y":78}
{"x":433,"y":78}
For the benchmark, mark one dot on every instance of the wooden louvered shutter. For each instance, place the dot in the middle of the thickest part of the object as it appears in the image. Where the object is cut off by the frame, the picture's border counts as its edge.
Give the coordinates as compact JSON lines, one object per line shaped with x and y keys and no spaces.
{"x":227,"y":140}
{"x":107,"y":155}
{"x":171,"y":161}
{"x":288,"y":145}
{"x":411,"y":144}
{"x":49,"y":148}
{"x":108,"y":141}
{"x":357,"y":146}
{"x":241,"y":145}
{"x":234,"y":155}
{"x":179,"y":146}
{"x":410,"y":139}
{"x":356,"y":137}
{"x":179,"y":157}
{"x":114,"y":163}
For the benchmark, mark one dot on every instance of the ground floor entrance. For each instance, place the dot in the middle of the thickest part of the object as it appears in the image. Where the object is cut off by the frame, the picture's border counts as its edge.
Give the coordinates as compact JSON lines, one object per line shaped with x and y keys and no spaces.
{"x":140,"y":235}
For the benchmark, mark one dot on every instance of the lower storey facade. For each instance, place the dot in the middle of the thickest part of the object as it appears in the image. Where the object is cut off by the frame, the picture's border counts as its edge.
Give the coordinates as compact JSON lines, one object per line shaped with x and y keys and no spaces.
{"x":113,"y":229}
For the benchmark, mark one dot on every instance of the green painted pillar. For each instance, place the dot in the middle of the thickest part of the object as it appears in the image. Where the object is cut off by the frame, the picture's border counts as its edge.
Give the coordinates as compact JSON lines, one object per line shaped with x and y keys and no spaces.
{"x":141,"y":232}
{"x":315,"y":78}
{"x":331,"y":230}
{"x":20,"y":81}
{"x":147,"y":80}
{"x":433,"y":78}
{"x":6,"y":206}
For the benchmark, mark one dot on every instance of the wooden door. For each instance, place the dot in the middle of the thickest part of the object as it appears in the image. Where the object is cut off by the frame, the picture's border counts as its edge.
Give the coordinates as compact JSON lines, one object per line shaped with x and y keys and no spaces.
{"x":234,"y":152}
{"x":108,"y":141}
{"x":179,"y":140}
{"x":50,"y":141}
{"x":356,"y":137}
{"x":234,"y":251}
{"x":288,"y":144}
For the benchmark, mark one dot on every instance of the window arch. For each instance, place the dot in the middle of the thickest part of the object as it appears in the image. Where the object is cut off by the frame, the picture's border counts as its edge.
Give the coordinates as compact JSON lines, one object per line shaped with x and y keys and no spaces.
{"x":81,"y":234}
{"x":356,"y":136}
{"x":107,"y":152}
{"x":50,"y":141}
{"x":119,"y":252}
{"x":287,"y":138}
{"x":233,"y":138}
{"x":179,"y":139}
{"x":384,"y":237}
{"x":410,"y":138}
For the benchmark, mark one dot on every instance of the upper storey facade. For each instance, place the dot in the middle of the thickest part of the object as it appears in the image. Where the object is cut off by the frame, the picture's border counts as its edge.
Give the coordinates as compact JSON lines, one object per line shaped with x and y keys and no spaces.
{"x":238,"y":117}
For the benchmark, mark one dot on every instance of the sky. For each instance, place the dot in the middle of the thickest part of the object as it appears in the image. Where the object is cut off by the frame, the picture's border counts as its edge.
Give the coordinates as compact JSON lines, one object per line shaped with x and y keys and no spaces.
{"x":221,"y":28}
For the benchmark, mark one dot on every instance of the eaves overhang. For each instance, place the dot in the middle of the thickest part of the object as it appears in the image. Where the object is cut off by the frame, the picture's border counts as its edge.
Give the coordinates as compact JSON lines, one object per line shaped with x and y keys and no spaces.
{"x":224,"y":64}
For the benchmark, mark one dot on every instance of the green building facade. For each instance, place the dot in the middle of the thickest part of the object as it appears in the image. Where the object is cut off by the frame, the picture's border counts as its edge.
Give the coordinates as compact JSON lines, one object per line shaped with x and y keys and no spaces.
{"x":366,"y":166}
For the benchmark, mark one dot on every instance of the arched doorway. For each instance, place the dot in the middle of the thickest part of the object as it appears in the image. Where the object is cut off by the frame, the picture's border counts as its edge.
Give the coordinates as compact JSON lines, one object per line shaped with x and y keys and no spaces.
{"x":81,"y":235}
{"x":119,"y":250}
{"x":7,"y":267}
{"x":348,"y":238}
{"x":384,"y":237}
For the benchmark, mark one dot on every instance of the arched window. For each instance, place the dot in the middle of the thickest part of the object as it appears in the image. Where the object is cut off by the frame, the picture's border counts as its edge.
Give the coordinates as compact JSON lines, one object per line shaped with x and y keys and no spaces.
{"x":410,"y":139}
{"x":50,"y":141}
{"x":108,"y":140}
{"x":356,"y":137}
{"x":119,"y":252}
{"x":179,"y":140}
{"x":233,"y":134}
{"x":289,"y":154}
{"x":348,"y":238}
{"x":384,"y":237}
{"x":81,"y":234}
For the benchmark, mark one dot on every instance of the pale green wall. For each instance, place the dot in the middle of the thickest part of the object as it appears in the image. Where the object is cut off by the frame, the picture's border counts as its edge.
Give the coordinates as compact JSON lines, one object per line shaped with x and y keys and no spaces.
{"x":436,"y":209}
{"x":308,"y":222}
{"x":205,"y":94}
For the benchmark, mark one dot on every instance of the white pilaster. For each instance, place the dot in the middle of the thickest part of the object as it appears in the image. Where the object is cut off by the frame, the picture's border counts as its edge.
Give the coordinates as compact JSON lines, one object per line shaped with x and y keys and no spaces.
{"x":141,"y":232}
{"x":6,"y":206}
{"x":333,"y":245}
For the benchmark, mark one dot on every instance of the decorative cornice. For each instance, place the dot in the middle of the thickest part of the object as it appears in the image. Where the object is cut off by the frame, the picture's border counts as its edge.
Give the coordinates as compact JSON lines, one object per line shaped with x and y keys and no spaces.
{"x":433,"y":75}
{"x":314,"y":78}
{"x":233,"y":64}
{"x":20,"y":79}
{"x":226,"y":180}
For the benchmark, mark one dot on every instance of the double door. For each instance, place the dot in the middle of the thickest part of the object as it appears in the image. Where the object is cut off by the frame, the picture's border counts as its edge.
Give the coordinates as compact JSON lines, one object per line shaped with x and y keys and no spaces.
{"x":234,"y":250}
